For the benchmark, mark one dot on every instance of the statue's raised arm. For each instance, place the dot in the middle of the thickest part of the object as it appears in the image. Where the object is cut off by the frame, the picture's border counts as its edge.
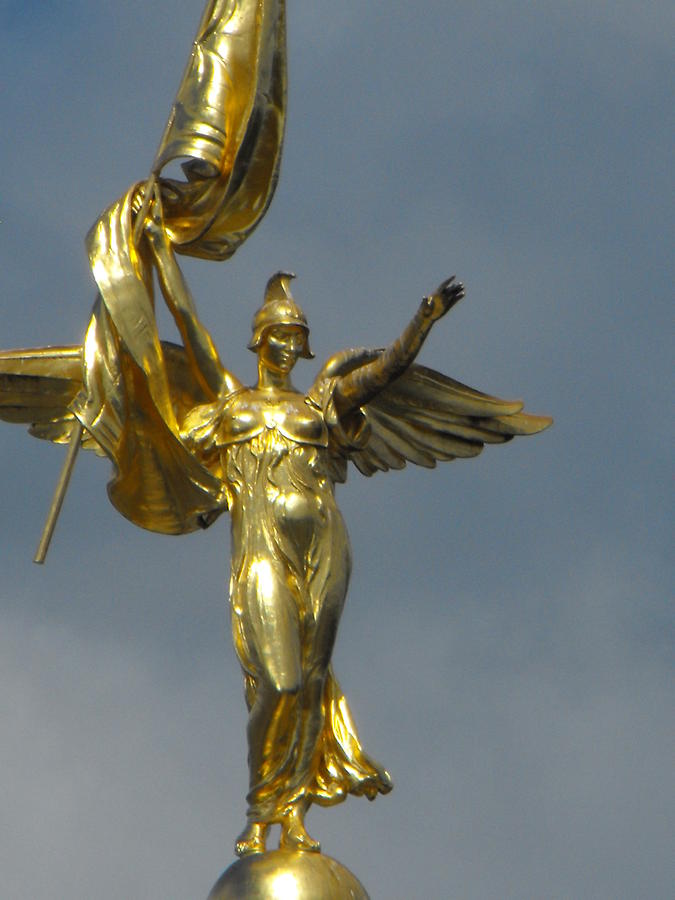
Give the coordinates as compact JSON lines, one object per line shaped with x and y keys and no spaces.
{"x":361,"y":385}
{"x":200,"y":349}
{"x":392,"y":411}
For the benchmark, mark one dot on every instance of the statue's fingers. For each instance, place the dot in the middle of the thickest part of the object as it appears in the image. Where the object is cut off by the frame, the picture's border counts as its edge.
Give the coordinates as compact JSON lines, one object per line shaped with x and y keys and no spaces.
{"x":137,"y":200}
{"x":455,"y":294}
{"x":444,"y":285}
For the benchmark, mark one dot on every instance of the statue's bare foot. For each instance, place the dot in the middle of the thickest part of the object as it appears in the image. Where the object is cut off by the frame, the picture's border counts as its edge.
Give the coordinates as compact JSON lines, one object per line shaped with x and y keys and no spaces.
{"x":252,"y":839}
{"x":293,"y":833}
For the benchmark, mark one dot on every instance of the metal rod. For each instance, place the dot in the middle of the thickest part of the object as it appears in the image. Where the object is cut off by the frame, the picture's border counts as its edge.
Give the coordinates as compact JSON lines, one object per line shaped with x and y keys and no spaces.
{"x":59,"y":494}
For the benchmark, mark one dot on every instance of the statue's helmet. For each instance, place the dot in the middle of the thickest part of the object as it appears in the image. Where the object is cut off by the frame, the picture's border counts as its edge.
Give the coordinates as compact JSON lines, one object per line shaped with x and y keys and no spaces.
{"x":279,"y":308}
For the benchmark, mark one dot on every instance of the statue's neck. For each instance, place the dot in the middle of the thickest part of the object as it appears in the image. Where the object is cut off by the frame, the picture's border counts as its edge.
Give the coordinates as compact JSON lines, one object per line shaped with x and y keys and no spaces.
{"x":269,"y":380}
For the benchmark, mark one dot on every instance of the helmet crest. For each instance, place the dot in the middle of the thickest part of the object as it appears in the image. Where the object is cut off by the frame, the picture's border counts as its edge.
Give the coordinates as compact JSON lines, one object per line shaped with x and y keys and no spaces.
{"x":279,"y":308}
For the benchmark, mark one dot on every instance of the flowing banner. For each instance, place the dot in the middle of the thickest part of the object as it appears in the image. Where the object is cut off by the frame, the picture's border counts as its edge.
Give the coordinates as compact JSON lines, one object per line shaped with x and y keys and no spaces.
{"x":228,"y":123}
{"x":226,"y":126}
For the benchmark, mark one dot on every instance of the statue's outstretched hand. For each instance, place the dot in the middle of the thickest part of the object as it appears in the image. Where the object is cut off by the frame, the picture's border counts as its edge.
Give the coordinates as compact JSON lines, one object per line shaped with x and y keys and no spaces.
{"x":446,"y":295}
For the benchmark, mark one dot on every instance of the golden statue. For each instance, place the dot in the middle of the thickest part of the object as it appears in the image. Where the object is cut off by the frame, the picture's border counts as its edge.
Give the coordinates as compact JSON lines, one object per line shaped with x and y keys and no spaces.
{"x":188,"y":441}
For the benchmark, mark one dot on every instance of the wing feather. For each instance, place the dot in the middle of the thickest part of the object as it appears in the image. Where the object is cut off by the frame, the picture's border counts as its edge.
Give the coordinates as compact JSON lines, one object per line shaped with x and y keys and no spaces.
{"x":385,"y":452}
{"x":435,"y":444}
{"x":461,"y":426}
{"x":521,"y":424}
{"x":438,"y":392}
{"x":395,"y":435}
{"x":364,"y":465}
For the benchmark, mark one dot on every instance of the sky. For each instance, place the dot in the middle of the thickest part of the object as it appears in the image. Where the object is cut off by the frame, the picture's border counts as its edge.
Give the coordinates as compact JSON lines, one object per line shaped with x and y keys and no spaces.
{"x":507,"y":644}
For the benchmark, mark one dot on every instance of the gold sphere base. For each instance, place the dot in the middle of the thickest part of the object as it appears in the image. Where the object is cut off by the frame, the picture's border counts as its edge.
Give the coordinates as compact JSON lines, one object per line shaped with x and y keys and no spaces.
{"x":282,"y":874}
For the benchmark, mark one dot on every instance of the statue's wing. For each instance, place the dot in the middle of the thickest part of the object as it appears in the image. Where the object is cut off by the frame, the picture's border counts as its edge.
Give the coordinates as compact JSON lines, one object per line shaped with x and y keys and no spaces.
{"x":36,"y":389}
{"x":425,"y":416}
{"x":157,"y":482}
{"x":39,"y":385}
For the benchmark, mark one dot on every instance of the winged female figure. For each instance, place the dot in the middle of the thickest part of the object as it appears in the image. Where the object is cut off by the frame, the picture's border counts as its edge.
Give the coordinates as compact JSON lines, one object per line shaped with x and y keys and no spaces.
{"x":189,"y":441}
{"x":271,"y":456}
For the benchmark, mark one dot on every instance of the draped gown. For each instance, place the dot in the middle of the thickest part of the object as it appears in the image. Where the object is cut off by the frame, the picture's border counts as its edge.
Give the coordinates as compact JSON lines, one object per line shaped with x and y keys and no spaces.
{"x":279,"y":455}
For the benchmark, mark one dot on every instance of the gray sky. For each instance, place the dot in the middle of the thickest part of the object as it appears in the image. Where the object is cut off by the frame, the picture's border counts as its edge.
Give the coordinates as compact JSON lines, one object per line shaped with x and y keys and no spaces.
{"x":507,"y":642}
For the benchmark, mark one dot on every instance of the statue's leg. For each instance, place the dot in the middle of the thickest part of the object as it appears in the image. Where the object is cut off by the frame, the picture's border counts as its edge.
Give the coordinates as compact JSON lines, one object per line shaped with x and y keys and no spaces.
{"x":252,"y":839}
{"x":294,"y":835}
{"x":327,"y":591}
{"x":270,"y":630}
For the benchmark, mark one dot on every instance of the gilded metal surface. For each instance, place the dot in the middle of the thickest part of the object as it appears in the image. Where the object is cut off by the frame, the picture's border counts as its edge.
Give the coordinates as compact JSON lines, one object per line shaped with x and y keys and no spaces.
{"x":227,"y":123}
{"x":280,"y":875}
{"x":188,"y":441}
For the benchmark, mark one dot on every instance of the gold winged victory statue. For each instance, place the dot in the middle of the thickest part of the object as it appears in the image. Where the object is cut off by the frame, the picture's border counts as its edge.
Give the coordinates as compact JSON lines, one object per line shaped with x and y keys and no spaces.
{"x":188,"y":441}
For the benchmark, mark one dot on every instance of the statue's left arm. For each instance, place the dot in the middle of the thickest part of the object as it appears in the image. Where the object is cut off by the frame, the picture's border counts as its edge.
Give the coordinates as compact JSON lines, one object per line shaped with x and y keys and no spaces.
{"x":360,"y":386}
{"x":199,"y":346}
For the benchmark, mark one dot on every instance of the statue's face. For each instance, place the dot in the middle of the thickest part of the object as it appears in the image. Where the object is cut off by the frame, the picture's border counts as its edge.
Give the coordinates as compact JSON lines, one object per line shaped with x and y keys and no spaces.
{"x":281,"y":346}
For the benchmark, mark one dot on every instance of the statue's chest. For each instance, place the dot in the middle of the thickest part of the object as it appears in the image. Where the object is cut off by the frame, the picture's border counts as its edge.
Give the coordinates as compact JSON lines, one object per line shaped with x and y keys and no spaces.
{"x":252,"y":412}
